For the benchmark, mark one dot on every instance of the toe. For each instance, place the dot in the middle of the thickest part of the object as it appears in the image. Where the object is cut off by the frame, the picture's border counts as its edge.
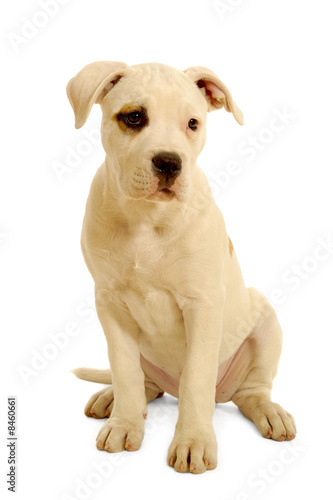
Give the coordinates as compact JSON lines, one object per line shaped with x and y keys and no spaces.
{"x":115,"y":441}
{"x":263,"y":425}
{"x":182,"y":460}
{"x":275,"y":423}
{"x":197,"y":464}
{"x":108,"y":410}
{"x":91,"y":402}
{"x":133,"y":440}
{"x":100,"y":408}
{"x":279,"y":432}
{"x":103,"y":435}
{"x":99,"y":403}
{"x":210,"y":458}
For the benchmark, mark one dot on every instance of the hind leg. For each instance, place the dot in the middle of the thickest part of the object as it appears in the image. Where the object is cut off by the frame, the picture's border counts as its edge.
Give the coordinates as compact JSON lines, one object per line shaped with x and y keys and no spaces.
{"x":253,"y":395}
{"x":100,"y":404}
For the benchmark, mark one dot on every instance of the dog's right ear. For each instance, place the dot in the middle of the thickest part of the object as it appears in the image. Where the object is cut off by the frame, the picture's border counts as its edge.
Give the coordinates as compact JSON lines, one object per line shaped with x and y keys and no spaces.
{"x":90,"y":85}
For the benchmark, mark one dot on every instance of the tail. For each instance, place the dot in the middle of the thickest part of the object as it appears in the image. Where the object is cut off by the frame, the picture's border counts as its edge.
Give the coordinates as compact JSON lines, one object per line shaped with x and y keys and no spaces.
{"x":94,"y":375}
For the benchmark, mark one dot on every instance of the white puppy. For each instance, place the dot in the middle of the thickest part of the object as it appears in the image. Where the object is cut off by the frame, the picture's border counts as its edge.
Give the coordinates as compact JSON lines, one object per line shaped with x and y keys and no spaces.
{"x":169,"y":291}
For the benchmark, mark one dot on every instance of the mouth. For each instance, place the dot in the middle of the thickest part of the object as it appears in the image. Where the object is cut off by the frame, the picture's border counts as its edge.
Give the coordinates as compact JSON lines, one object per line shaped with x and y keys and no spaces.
{"x":166,"y":190}
{"x":162,"y":194}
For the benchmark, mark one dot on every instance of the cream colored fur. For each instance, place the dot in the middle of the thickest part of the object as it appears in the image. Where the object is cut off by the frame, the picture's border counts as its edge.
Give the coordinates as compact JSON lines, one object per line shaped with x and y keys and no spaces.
{"x":169,"y":291}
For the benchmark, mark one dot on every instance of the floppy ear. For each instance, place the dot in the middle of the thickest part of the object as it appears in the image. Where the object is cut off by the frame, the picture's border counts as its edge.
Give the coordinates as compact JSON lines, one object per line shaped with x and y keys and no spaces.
{"x":90,"y":85}
{"x":216,"y":93}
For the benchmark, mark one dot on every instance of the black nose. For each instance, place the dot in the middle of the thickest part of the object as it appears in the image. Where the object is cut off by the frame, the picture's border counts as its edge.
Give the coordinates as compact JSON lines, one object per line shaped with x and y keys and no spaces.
{"x":167,"y":166}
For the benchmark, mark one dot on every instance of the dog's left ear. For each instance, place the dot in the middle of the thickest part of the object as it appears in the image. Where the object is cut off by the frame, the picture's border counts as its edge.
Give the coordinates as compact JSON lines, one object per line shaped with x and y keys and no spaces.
{"x":216,"y":93}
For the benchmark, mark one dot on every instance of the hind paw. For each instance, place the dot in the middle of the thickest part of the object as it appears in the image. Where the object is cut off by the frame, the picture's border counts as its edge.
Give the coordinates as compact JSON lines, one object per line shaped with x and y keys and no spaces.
{"x":100,"y":404}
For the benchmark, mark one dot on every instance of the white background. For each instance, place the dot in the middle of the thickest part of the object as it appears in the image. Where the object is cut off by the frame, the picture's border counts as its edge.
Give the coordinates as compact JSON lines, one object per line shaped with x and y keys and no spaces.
{"x":278,"y":207}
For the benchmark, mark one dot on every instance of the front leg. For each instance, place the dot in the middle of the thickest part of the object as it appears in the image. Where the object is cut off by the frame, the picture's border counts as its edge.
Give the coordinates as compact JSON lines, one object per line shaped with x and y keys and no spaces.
{"x":125,"y":428}
{"x":194,"y":447}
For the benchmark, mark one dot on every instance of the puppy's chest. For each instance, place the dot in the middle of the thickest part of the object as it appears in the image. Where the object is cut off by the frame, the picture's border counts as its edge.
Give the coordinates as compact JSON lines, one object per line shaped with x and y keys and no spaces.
{"x":137,"y":264}
{"x":135,"y":257}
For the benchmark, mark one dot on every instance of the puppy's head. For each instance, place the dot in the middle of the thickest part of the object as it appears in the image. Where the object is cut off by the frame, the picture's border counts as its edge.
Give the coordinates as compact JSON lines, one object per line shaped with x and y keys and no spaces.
{"x":154,"y":120}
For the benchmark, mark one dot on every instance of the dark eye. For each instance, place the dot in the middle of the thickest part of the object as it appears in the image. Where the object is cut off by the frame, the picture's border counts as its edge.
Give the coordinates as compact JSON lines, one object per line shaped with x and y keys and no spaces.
{"x":134,"y":118}
{"x":193,"y":124}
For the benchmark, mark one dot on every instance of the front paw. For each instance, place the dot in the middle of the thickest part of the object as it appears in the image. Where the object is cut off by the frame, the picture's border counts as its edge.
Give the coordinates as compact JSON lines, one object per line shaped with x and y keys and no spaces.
{"x":193,"y":451}
{"x":118,"y":434}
